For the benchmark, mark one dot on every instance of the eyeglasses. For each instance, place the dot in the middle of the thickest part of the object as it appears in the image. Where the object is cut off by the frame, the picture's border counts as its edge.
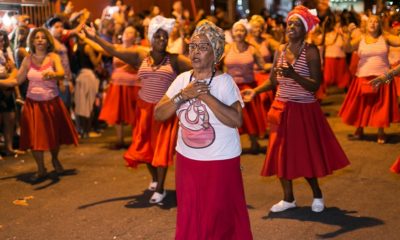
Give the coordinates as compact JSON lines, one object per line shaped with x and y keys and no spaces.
{"x":203,"y":47}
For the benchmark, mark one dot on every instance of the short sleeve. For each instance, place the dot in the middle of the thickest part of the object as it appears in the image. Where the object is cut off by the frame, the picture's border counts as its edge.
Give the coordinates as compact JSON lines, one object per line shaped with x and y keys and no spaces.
{"x":176,"y":86}
{"x":230,"y":92}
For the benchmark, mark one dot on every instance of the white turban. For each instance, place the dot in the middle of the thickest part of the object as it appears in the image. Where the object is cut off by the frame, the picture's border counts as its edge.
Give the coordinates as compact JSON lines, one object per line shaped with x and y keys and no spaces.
{"x":160,"y":22}
{"x":243,"y":22}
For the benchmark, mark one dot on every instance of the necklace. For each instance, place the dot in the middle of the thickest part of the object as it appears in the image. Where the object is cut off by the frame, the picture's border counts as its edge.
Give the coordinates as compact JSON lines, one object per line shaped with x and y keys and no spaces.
{"x":212,"y":77}
{"x":150,"y":61}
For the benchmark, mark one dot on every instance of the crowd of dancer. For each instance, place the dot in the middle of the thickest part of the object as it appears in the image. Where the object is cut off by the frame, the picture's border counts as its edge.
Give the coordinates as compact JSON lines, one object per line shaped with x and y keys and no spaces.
{"x":259,"y":77}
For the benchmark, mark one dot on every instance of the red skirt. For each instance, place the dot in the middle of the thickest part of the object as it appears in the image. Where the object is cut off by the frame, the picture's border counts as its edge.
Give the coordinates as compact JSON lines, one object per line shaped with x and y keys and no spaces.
{"x":396,"y":81}
{"x":266,"y":98}
{"x":211,"y":200}
{"x":336,"y":72}
{"x":370,"y":110}
{"x":253,"y":120}
{"x":119,"y":104}
{"x":302,"y":144}
{"x":152,"y":141}
{"x":396,"y":166}
{"x":45,"y":125}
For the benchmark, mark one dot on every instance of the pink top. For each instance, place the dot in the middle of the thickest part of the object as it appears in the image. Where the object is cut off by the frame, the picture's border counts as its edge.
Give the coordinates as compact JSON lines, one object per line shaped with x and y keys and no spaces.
{"x":40,"y":89}
{"x":240,"y":65}
{"x":123,"y":74}
{"x":289,"y":89}
{"x":265,"y":53}
{"x":373,"y":58}
{"x":155,"y":80}
{"x":335,"y":50}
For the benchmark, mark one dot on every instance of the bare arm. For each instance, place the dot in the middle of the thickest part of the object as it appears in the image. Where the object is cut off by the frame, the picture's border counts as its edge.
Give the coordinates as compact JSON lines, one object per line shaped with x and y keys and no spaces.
{"x":352,"y":39}
{"x":391,"y":39}
{"x":165,"y":108}
{"x":16,"y":77}
{"x":228,"y":115}
{"x":94,"y":57}
{"x":58,"y":72}
{"x":259,"y":60}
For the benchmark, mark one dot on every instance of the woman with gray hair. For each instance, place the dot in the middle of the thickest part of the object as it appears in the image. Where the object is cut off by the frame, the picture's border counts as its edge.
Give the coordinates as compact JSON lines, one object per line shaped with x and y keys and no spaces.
{"x":209,"y":186}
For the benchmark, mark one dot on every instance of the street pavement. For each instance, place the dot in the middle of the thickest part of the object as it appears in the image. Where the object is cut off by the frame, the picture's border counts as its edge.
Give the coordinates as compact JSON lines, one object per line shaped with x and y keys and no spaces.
{"x":99,"y":198}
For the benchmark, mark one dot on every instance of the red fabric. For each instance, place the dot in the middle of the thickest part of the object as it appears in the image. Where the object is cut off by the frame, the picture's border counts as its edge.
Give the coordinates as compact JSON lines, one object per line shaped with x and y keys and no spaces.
{"x":336,"y":72}
{"x":397,"y":84}
{"x":396,"y":166}
{"x":211,"y":200}
{"x":45,"y":125}
{"x":119,"y":104}
{"x":353,"y":64}
{"x":266,"y":98}
{"x":374,"y":110}
{"x":306,"y":14}
{"x":303,"y":145}
{"x":253,"y":121}
{"x":152,"y":141}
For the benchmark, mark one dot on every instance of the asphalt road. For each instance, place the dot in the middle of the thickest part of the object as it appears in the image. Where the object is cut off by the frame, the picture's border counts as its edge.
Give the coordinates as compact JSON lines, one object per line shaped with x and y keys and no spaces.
{"x":101,"y":199}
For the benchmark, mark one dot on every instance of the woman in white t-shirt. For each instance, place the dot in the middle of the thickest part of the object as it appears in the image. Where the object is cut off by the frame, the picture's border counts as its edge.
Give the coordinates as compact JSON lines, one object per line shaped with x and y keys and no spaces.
{"x":209,"y":186}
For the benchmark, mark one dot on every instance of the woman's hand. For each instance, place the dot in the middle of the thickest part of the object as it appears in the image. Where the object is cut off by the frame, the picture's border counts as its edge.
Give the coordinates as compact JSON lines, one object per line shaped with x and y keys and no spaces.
{"x":194,"y":89}
{"x":48,"y":75}
{"x":90,"y":31}
{"x":248,"y":94}
{"x":288,"y":71}
{"x":376,"y":82}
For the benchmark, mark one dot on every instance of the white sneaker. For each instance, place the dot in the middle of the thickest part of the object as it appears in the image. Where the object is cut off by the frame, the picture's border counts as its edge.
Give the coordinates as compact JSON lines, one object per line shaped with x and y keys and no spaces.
{"x":318,"y":205}
{"x":282,"y":206}
{"x":158,"y":197}
{"x":152,"y":186}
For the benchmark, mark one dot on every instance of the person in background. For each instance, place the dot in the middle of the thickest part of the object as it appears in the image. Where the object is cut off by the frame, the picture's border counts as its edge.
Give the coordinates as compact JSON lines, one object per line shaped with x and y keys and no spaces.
{"x":209,"y":107}
{"x":365,"y":106}
{"x":45,"y":122}
{"x":7,"y":97}
{"x":153,"y":141}
{"x":240,"y":58}
{"x":301,"y":142}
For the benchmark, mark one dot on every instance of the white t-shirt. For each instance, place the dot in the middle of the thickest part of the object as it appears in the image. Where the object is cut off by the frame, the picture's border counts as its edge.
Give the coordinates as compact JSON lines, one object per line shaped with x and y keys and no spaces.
{"x":201,"y":136}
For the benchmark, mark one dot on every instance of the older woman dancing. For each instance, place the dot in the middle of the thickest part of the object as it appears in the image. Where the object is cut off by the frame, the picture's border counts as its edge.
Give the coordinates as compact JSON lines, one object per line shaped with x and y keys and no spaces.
{"x":210,"y":195}
{"x":301,"y":143}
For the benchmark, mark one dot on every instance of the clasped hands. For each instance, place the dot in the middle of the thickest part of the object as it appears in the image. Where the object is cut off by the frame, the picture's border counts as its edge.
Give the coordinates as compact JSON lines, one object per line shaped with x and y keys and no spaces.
{"x":285,"y":71}
{"x":195,"y":89}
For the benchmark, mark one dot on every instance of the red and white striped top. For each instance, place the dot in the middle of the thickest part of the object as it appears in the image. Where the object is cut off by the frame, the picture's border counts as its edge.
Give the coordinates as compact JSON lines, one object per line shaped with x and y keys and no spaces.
{"x":124,"y":74}
{"x":240,"y":65}
{"x":155,"y":80}
{"x":288,"y":88}
{"x":374,"y":59}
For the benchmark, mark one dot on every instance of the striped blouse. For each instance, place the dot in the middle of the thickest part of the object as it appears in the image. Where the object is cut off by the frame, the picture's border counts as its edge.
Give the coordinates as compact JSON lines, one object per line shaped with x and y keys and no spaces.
{"x":289,"y":89}
{"x":155,"y":80}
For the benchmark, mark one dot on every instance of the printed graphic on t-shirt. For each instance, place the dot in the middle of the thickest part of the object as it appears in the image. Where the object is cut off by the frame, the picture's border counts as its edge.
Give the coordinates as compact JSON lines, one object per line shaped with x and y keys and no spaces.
{"x":196,"y":129}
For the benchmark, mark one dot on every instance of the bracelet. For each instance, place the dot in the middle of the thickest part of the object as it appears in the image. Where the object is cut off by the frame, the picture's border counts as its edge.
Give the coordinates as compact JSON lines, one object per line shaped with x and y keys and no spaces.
{"x":388,"y":77}
{"x":178,"y":99}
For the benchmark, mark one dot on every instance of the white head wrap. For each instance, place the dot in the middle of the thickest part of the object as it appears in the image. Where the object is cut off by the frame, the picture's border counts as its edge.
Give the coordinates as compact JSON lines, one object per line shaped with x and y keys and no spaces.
{"x":243,"y":22}
{"x":160,"y":22}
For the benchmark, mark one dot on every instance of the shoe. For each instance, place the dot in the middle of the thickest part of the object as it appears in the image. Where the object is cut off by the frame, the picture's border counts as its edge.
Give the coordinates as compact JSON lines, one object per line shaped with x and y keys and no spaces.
{"x":381,"y":139}
{"x":282,"y":206}
{"x":152,"y":186}
{"x":94,"y":135}
{"x":318,"y":205}
{"x":38,"y":177}
{"x":158,"y":197}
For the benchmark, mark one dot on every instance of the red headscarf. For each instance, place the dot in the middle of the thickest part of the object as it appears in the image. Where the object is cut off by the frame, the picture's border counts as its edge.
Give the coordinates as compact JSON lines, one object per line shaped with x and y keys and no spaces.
{"x":307,"y":16}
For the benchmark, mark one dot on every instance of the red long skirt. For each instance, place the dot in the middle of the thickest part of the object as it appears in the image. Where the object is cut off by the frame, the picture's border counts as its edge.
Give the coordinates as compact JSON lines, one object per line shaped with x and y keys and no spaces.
{"x":253,"y":120}
{"x":353,"y":64}
{"x":372,"y":110}
{"x":396,"y":166}
{"x":397,"y":83}
{"x":266,"y":98}
{"x":336,"y":72}
{"x":211,"y":200}
{"x":302,"y":144}
{"x":45,"y":125}
{"x":120,"y":104}
{"x":152,"y":141}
